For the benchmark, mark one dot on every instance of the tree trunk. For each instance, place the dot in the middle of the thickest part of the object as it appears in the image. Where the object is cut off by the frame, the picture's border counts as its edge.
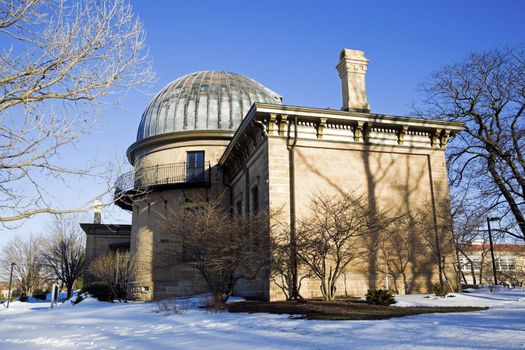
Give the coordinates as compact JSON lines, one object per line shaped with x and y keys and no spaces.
{"x":507,"y":194}
{"x":405,"y":283}
{"x":473,"y":273}
{"x":69,"y":289}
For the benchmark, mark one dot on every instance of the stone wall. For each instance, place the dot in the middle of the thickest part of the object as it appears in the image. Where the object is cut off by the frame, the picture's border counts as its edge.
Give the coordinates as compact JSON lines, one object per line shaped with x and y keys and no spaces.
{"x":253,"y":175}
{"x":397,"y":164}
{"x":402,"y":180}
{"x":158,"y":267}
{"x":100,"y":238}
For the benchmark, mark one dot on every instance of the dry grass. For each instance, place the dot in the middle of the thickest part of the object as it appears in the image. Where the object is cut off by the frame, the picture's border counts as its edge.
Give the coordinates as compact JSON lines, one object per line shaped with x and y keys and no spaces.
{"x":212,"y":305}
{"x":168,"y":308}
{"x":339,"y":310}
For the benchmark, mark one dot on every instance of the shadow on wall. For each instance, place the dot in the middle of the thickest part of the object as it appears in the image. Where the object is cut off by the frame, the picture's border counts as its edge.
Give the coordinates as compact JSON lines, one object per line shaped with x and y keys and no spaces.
{"x":413,"y":194}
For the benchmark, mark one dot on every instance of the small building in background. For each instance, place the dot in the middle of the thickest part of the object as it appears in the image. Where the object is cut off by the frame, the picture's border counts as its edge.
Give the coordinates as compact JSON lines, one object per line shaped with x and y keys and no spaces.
{"x":104,"y":239}
{"x":475,"y":262}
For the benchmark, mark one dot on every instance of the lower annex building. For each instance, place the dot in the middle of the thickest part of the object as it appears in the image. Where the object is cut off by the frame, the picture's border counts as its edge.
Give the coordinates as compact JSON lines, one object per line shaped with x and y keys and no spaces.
{"x":213,"y":133}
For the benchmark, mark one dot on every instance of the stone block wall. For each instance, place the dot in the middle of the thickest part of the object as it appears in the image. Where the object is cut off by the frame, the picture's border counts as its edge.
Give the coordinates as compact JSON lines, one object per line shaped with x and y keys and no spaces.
{"x":158,"y":267}
{"x":100,"y":238}
{"x":253,"y":174}
{"x":398,"y":179}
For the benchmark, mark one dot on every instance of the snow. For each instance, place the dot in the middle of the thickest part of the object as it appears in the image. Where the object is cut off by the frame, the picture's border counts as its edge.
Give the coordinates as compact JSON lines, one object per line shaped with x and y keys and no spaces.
{"x":480,"y":297}
{"x":95,"y":325}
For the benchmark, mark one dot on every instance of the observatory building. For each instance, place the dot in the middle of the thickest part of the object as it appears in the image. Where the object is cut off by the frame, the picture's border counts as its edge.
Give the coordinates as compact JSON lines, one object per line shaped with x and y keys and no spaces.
{"x":219,"y":134}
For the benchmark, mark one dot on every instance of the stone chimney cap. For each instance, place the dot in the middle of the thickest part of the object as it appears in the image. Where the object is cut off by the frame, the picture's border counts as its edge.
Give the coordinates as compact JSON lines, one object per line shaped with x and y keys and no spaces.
{"x":352,"y":69}
{"x":353,"y":54}
{"x":98,"y":206}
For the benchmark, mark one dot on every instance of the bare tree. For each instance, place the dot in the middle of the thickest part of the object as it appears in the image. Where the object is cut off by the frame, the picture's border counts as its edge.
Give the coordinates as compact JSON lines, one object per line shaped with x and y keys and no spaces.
{"x":64,"y":252}
{"x":434,"y":224}
{"x":469,"y":228}
{"x":398,"y":246}
{"x":29,"y":271}
{"x":223,"y":247}
{"x":514,"y":276}
{"x":60,"y":58}
{"x":113,"y":269}
{"x":468,"y":218}
{"x":331,"y":237}
{"x":486,"y":92}
{"x":281,"y":265}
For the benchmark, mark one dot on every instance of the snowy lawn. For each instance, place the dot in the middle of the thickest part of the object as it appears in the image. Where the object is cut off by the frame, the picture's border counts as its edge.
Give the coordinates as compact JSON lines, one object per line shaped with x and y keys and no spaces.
{"x":95,"y":325}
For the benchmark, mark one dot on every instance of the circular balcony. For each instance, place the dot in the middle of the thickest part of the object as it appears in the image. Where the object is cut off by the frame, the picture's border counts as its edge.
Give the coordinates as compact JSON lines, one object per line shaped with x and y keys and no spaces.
{"x":131,"y":185}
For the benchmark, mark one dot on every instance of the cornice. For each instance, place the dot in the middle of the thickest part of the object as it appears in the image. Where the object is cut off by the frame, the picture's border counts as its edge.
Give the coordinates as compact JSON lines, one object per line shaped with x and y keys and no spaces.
{"x":345,"y":126}
{"x":248,"y":119}
{"x":357,"y":116}
{"x":173,"y":137}
{"x":112,"y":229}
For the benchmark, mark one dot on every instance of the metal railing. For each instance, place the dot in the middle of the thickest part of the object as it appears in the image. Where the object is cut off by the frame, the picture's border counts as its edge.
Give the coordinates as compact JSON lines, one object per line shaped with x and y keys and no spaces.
{"x":165,"y":174}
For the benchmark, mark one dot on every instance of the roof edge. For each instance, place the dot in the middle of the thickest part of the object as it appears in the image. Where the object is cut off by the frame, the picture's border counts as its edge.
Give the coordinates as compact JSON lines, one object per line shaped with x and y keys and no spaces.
{"x":176,"y":136}
{"x":357,"y":116}
{"x":276,"y":109}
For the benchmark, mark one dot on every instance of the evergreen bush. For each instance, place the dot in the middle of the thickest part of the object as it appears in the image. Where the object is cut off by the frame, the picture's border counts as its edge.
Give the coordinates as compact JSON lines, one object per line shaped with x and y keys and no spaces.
{"x":440,"y":291}
{"x":380,"y":297}
{"x":99,"y":290}
{"x":40,"y":296}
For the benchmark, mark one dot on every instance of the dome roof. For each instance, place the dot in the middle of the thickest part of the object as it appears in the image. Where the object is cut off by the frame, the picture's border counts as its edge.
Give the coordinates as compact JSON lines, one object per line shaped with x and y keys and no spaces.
{"x":203,"y":101}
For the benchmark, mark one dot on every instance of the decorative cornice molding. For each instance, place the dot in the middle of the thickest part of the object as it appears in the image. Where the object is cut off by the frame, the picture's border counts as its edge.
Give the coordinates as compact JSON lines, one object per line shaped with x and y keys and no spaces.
{"x":106,"y":229}
{"x":343,"y":126}
{"x":179,"y":136}
{"x":356,"y":116}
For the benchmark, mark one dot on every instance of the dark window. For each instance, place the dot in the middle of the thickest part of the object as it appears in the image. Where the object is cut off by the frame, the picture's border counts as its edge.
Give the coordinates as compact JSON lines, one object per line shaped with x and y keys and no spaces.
{"x":255,"y":199}
{"x":195,"y":166}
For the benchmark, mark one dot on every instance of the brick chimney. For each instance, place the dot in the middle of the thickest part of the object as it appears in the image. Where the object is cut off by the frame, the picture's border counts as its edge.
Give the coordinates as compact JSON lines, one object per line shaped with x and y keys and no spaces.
{"x":352,"y":70}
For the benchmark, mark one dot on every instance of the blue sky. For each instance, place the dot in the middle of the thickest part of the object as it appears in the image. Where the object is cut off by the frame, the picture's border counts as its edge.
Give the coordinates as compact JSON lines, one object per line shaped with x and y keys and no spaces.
{"x":292,"y":47}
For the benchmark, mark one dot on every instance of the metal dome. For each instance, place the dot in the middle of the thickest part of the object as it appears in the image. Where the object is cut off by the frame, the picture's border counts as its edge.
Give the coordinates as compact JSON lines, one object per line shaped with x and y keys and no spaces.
{"x":203,"y":101}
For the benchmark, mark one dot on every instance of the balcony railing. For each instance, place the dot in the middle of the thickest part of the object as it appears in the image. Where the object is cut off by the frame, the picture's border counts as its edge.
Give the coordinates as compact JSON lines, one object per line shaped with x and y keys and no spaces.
{"x":165,"y":174}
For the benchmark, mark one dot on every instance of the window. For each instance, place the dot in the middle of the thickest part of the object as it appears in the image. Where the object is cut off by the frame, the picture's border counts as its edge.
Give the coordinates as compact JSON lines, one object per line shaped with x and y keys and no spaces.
{"x":255,"y":200}
{"x":195,"y":166}
{"x":506,"y":264}
{"x":465,"y":264}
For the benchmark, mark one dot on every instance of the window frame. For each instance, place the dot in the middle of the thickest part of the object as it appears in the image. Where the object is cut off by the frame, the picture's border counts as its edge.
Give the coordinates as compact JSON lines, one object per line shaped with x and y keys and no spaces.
{"x":193,"y":167}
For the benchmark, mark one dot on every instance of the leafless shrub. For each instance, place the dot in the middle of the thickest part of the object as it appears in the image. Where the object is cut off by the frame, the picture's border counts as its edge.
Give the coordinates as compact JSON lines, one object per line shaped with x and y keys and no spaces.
{"x":434,"y":226}
{"x":223,"y":247}
{"x":168,"y":307}
{"x":112,"y":269}
{"x":331,"y":237}
{"x":397,"y":248}
{"x":281,"y":265}
{"x":212,"y":304}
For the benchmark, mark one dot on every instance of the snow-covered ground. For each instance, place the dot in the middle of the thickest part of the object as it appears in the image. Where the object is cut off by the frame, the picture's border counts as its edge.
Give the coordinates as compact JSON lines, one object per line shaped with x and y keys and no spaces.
{"x":95,"y":325}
